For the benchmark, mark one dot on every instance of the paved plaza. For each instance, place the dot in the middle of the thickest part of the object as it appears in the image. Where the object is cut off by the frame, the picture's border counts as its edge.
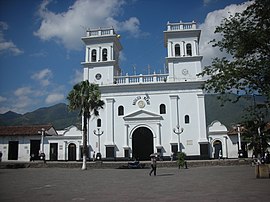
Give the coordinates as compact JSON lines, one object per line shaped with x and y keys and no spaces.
{"x":217,"y":183}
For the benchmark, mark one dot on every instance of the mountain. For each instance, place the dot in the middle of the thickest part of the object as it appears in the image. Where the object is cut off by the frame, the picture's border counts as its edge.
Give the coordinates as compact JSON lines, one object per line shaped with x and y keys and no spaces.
{"x":227,"y":113}
{"x":8,"y":116}
{"x":230,"y":113}
{"x":59,"y":116}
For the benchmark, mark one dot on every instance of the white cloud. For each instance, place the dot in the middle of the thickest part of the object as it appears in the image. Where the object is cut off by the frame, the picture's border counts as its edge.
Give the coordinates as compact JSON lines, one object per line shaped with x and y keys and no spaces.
{"x":4,"y":110}
{"x":3,"y":99}
{"x":22,"y":100}
{"x":41,"y":53}
{"x":132,"y":25}
{"x":77,"y":77}
{"x":206,"y":2}
{"x":212,"y":20}
{"x":68,"y":27}
{"x":23,"y":91}
{"x":43,"y":76}
{"x":54,"y":98}
{"x":5,"y":45}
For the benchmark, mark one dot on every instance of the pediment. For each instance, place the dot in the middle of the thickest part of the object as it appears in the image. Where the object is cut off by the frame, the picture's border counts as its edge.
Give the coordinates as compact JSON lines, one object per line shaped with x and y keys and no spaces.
{"x":217,"y":127}
{"x":142,"y":115}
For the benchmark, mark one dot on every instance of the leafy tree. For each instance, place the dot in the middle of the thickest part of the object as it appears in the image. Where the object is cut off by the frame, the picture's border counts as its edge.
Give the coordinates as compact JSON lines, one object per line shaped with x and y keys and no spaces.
{"x":246,"y":38}
{"x":257,"y":133}
{"x":85,"y":97}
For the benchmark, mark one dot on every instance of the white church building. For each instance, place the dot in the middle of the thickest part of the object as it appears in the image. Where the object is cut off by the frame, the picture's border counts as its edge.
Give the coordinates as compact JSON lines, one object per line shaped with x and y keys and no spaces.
{"x":143,"y":114}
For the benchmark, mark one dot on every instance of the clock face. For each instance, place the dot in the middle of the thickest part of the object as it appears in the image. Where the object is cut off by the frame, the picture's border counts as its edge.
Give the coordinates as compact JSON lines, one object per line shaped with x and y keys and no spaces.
{"x":141,"y":104}
{"x":184,"y":71}
{"x":98,"y":76}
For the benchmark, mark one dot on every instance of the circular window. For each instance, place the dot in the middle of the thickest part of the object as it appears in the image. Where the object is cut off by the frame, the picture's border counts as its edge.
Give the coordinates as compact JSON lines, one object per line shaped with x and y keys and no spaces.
{"x":98,"y":76}
{"x":141,"y":104}
{"x":184,"y":71}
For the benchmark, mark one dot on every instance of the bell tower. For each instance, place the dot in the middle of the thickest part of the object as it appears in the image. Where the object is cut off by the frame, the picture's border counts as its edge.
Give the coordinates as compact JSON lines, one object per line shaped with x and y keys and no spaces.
{"x":102,"y":48}
{"x":183,"y":58}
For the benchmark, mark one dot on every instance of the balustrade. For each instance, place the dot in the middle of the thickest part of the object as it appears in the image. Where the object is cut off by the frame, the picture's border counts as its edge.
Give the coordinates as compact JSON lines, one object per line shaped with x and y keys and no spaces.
{"x":100,"y":32}
{"x":181,"y":26}
{"x":155,"y":78}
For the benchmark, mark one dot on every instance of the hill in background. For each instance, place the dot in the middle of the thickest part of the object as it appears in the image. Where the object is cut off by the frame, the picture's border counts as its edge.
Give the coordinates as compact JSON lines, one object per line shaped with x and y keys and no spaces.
{"x":59,"y":116}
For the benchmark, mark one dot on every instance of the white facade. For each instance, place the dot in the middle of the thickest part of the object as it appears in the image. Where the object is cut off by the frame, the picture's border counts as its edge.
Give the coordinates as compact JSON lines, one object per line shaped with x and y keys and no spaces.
{"x":65,"y":146}
{"x":57,"y":145}
{"x":141,"y":111}
{"x":23,"y":147}
{"x":225,"y":143}
{"x":143,"y":114}
{"x":221,"y":143}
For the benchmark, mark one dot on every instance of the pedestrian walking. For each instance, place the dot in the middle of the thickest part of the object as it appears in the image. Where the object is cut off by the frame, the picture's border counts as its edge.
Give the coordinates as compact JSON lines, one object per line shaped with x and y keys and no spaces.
{"x":153,"y":165}
{"x":94,"y":156}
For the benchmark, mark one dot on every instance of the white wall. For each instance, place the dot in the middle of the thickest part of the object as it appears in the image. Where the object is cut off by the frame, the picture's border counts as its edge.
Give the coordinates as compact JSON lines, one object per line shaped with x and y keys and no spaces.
{"x":69,"y":135}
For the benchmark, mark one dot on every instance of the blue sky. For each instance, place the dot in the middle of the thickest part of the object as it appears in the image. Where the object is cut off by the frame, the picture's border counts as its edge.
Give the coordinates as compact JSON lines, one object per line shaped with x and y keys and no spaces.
{"x":41,"y":49}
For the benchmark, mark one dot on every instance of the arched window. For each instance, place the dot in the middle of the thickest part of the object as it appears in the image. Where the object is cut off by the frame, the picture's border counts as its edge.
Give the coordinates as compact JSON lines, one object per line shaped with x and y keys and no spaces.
{"x":120,"y":111}
{"x":104,"y":54}
{"x":189,"y":50}
{"x":187,"y":119}
{"x":99,"y":123}
{"x":162,"y":109}
{"x":177,"y":50}
{"x":94,"y":55}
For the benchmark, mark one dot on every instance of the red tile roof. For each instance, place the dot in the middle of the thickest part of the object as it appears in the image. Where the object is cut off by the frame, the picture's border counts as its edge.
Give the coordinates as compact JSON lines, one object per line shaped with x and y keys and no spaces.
{"x":234,"y":131}
{"x":23,"y":130}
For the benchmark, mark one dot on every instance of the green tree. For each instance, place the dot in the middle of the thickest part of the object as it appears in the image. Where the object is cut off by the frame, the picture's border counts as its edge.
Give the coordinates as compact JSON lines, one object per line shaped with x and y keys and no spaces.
{"x":257,"y":134}
{"x":181,"y":159}
{"x":246,"y":38}
{"x":86,"y":98}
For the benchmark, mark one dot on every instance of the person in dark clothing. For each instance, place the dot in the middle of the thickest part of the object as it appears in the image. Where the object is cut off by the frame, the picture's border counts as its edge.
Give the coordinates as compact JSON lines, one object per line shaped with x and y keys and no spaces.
{"x":153,"y":166}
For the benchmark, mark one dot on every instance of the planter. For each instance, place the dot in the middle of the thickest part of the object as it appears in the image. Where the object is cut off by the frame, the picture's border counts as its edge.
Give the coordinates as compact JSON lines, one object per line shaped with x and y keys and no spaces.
{"x":262,"y":171}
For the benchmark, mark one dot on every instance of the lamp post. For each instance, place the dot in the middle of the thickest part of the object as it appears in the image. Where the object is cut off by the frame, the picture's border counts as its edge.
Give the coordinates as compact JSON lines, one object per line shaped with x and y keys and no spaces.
{"x":238,"y":128}
{"x":178,"y":131}
{"x":239,"y":136}
{"x":98,"y":134}
{"x":42,"y":132}
{"x":239,"y":141}
{"x":42,"y":139}
{"x":42,"y":154}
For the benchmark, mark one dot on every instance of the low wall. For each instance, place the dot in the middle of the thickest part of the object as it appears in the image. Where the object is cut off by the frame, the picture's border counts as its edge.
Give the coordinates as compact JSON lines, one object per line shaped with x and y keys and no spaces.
{"x":122,"y":164}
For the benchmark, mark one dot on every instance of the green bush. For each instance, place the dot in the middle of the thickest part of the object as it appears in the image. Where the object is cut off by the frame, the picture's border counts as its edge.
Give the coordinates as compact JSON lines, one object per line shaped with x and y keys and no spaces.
{"x":181,"y":156}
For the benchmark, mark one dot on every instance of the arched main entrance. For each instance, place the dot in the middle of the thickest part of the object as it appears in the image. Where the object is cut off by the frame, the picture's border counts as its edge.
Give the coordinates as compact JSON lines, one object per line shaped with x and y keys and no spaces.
{"x":217,"y":149}
{"x":72,"y":152}
{"x":142,"y":143}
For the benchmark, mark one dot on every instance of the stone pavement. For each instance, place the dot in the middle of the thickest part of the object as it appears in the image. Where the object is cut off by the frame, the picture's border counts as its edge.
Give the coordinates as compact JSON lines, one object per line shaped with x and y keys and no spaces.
{"x":216,"y":183}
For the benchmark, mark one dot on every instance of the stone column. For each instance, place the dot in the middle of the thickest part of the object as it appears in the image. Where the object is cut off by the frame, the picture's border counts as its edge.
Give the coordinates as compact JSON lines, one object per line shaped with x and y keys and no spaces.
{"x":111,"y":55}
{"x":110,"y":121}
{"x":99,"y":55}
{"x":170,"y":52}
{"x":65,"y":150}
{"x":183,"y":51}
{"x":87,"y":54}
{"x":225,"y":148}
{"x":127,"y":135}
{"x":86,"y":73}
{"x":78,"y":151}
{"x":158,"y":142}
{"x":201,"y":118}
{"x":174,"y":116}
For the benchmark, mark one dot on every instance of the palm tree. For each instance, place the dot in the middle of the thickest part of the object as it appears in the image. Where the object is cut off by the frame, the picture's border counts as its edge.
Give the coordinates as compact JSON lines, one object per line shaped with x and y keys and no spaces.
{"x":85,"y":97}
